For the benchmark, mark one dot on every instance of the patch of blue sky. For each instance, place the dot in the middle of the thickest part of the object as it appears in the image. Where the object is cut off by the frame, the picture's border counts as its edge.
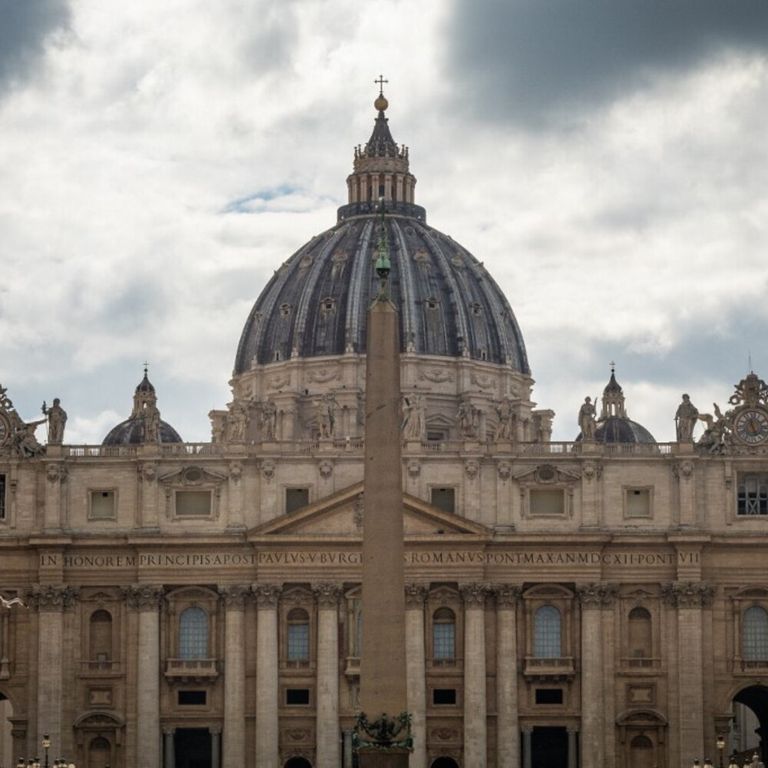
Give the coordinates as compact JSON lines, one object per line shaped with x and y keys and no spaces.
{"x":261,"y":200}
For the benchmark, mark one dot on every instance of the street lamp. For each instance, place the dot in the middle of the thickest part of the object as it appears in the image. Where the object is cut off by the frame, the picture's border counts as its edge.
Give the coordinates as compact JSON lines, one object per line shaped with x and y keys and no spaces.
{"x":46,"y":747}
{"x":720,"y":743}
{"x":732,"y":762}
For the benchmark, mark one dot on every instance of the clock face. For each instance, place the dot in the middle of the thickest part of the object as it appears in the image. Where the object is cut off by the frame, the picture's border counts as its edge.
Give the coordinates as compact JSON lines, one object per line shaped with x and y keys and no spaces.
{"x":752,"y":426}
{"x":5,"y":429}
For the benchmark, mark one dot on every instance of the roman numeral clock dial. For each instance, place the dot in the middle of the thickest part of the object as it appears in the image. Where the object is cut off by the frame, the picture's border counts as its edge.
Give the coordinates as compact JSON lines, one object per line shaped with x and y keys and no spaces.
{"x":751,"y":426}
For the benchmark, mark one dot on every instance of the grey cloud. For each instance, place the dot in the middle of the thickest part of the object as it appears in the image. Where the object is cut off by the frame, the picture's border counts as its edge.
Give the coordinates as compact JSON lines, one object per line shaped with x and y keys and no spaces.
{"x":530,"y":61}
{"x":24,"y":27}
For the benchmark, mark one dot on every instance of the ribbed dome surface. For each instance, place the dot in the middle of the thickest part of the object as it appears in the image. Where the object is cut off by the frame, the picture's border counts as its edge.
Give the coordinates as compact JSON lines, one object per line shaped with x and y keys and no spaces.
{"x":131,"y":431}
{"x":618,"y":429}
{"x":316,"y":303}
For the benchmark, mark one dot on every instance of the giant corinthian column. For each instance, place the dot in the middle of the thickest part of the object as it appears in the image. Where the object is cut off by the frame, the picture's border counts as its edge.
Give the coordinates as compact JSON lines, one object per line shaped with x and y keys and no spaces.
{"x":383,"y":664}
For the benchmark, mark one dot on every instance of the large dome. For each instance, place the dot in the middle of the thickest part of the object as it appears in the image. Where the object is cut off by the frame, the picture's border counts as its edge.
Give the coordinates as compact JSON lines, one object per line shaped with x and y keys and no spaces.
{"x":316,"y":303}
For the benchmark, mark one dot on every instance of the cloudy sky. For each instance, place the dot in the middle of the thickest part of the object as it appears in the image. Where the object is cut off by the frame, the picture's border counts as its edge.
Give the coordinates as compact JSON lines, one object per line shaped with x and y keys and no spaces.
{"x":605,"y":159}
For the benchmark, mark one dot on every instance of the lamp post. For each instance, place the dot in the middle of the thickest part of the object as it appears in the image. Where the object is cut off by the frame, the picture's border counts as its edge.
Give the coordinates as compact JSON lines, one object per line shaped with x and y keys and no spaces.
{"x":732,"y":762}
{"x":720,"y":743}
{"x":46,"y":747}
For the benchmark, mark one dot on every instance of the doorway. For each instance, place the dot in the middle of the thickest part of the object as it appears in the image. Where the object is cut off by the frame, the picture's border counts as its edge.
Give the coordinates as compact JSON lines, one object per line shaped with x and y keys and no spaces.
{"x":444,"y":762}
{"x":755,"y":698}
{"x":297,"y":762}
{"x":549,"y":748}
{"x":193,"y":748}
{"x":6,"y":737}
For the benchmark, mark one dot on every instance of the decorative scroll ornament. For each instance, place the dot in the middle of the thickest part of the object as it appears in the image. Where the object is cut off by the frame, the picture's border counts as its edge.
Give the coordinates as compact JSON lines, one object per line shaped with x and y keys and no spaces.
{"x":597,"y":594}
{"x":267,"y":595}
{"x":52,"y":598}
{"x":234,"y":595}
{"x":17,"y":437}
{"x":474,"y":594}
{"x":145,"y":597}
{"x":327,"y":594}
{"x":268,"y":468}
{"x":750,"y":391}
{"x":687,"y":594}
{"x":385,"y":734}
{"x":507,"y":595}
{"x":504,"y":470}
{"x":415,"y":594}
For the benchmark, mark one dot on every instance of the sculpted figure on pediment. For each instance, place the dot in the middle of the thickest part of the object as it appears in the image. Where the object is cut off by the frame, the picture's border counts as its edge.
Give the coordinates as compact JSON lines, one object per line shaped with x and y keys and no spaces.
{"x":57,"y":419}
{"x":685,"y":419}
{"x":413,"y":424}
{"x":587,"y":421}
{"x":505,"y":432}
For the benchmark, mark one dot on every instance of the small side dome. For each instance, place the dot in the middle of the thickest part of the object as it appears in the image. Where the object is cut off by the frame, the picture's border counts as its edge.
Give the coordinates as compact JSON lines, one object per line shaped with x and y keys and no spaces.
{"x":614,"y":426}
{"x":144,"y":425}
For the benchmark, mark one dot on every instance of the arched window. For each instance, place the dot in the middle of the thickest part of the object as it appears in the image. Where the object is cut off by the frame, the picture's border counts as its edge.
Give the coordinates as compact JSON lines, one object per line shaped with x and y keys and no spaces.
{"x":298,"y":635}
{"x":641,"y":752}
{"x":444,"y":635}
{"x":546,"y":633}
{"x":100,"y":636}
{"x":640,"y":634}
{"x":99,"y":753}
{"x":755,"y":637}
{"x":193,"y":634}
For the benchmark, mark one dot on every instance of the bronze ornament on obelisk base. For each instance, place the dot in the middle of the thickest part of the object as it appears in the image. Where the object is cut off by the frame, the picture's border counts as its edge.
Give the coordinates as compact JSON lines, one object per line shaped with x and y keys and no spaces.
{"x":382,"y":735}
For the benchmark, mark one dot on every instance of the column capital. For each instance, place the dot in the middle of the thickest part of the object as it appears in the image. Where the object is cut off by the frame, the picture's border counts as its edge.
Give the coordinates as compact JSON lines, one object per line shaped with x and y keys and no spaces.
{"x":267,"y":595}
{"x":507,"y":595}
{"x":234,"y":595}
{"x":687,"y":594}
{"x":49,"y":597}
{"x":327,"y":594}
{"x":597,"y":594}
{"x":474,"y":594}
{"x":169,"y":730}
{"x":415,"y":595}
{"x":145,"y":597}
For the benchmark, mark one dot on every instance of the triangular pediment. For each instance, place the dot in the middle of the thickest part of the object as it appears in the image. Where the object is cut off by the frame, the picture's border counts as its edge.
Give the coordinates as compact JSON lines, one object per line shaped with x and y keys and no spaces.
{"x":341,"y":515}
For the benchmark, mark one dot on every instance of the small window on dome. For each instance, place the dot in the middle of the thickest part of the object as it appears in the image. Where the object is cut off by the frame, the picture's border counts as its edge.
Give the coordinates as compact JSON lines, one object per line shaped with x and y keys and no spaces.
{"x":285,"y":310}
{"x":483,"y":354}
{"x":432,"y":303}
{"x":328,"y":306}
{"x":476,"y":309}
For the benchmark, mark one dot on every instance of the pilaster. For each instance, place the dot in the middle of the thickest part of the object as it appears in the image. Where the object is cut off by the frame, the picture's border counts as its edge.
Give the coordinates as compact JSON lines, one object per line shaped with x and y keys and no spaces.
{"x":507,"y":728}
{"x":415,"y":654}
{"x":234,"y":597}
{"x":475,"y":706}
{"x":267,"y":735}
{"x":327,"y":730}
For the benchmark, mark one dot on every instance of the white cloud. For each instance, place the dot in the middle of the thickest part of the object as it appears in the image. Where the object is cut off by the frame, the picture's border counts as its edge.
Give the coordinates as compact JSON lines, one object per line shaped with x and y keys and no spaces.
{"x":635,"y":233}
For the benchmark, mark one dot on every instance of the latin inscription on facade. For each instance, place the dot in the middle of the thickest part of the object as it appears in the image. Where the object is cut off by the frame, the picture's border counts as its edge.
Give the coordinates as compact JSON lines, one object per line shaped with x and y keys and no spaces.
{"x":331,"y":558}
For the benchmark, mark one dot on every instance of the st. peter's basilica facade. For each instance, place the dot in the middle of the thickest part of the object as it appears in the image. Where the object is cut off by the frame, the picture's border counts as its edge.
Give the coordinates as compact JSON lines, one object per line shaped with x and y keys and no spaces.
{"x":600,"y":602}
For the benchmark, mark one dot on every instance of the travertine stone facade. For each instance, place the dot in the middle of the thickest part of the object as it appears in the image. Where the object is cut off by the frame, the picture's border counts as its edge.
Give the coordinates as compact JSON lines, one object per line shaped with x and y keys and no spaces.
{"x":589,"y":603}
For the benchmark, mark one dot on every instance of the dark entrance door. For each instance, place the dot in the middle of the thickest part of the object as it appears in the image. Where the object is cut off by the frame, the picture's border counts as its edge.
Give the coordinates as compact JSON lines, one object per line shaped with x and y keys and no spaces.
{"x":193,"y":748}
{"x":756,"y":698}
{"x":549,"y":748}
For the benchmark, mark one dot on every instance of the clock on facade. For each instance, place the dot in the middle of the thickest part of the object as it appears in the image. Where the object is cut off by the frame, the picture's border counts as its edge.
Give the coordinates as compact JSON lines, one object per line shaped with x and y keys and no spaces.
{"x":5,"y":429}
{"x":751,"y":426}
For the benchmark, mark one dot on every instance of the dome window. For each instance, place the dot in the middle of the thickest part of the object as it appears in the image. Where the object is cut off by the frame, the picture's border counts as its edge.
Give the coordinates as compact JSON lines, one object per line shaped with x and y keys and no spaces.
{"x":432,"y":303}
{"x":285,"y":310}
{"x":476,"y":309}
{"x":328,"y":306}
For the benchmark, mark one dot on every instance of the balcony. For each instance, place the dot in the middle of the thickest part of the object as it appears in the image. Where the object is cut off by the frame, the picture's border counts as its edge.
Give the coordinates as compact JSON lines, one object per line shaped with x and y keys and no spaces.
{"x":750,"y":667}
{"x":188,"y":670}
{"x":100,"y":668}
{"x":640,"y":665}
{"x":549,"y":669}
{"x":352,"y":667}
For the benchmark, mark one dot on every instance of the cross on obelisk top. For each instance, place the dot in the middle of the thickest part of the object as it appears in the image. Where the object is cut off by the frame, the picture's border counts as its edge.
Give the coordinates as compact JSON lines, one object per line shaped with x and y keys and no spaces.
{"x":380,"y":82}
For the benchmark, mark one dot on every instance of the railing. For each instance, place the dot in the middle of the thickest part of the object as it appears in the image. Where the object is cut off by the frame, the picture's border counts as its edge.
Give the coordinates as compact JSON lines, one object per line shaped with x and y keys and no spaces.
{"x":192,"y":668}
{"x":561,"y":667}
{"x":640,"y":662}
{"x":100,"y":667}
{"x":750,"y":666}
{"x":356,"y":444}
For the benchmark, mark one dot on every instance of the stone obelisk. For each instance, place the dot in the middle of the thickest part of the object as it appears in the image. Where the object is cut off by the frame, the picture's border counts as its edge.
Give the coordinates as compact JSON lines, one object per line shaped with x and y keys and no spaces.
{"x":382,"y":666}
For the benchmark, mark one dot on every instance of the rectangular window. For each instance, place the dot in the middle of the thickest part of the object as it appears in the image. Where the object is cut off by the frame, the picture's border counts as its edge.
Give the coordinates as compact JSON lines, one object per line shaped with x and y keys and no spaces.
{"x":2,"y":497}
{"x":192,"y":698}
{"x":547,"y":501}
{"x":444,"y":640}
{"x":297,"y":697}
{"x":637,"y":502}
{"x":752,"y":496}
{"x":296,"y":498}
{"x":549,"y":695}
{"x":102,"y":505}
{"x":443,"y":696}
{"x":193,"y":503}
{"x":444,"y":498}
{"x":298,"y":642}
